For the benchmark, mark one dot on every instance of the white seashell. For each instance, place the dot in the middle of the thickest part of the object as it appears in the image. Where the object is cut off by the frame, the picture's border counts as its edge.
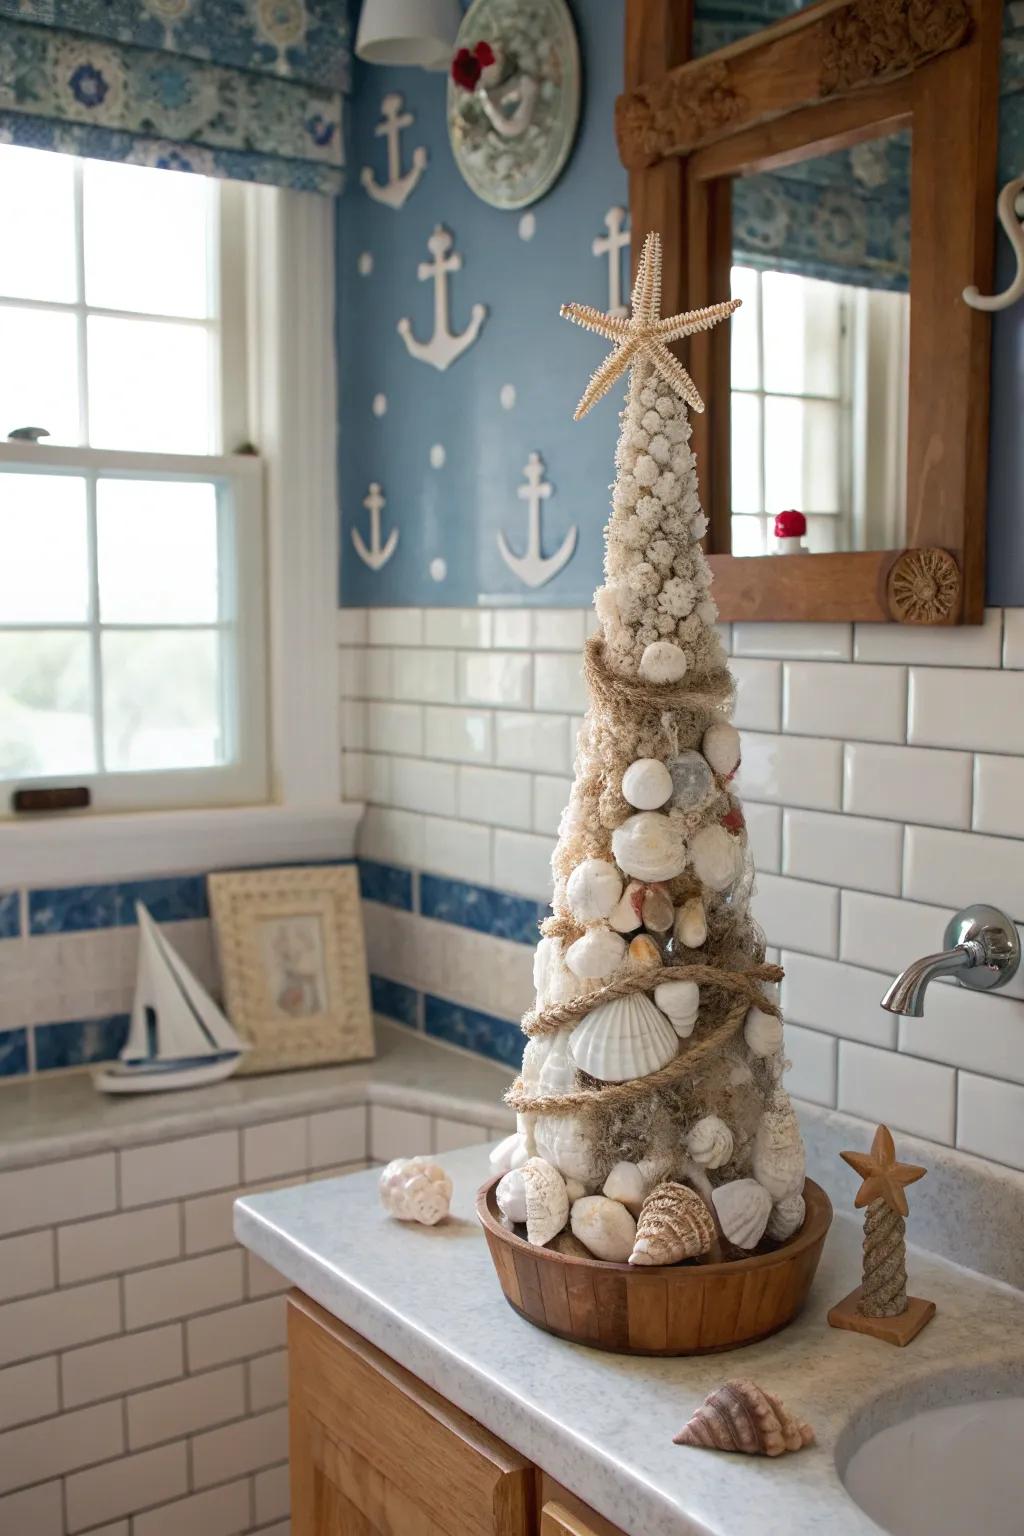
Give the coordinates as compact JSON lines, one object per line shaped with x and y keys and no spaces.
{"x":679,"y":1001}
{"x":717,"y":857}
{"x":786,"y":1218}
{"x":547,"y":1202}
{"x":691,"y":925}
{"x":558,"y":1072}
{"x":415,"y":1189}
{"x":650,"y":846}
{"x":604,"y":1227}
{"x":710,"y":1142}
{"x":654,"y":1169}
{"x":627,"y":915}
{"x":622,"y":1039}
{"x":656,"y":909}
{"x":762,"y":1032}
{"x":778,"y":1162}
{"x":627,"y":1185}
{"x":598,"y":953}
{"x":553,"y":982}
{"x":566,"y":1142}
{"x":743,"y":1208}
{"x":574,"y":1189}
{"x":510,"y":1196}
{"x":592,"y":890}
{"x":643,"y":954}
{"x":662,"y":662}
{"x":721,"y":747}
{"x":501,"y":1156}
{"x":646,"y":784}
{"x":692,"y":781}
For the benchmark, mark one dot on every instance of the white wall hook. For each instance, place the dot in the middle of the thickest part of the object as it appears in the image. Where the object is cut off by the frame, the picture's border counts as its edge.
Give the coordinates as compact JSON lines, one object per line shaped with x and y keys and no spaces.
{"x":1010,"y":208}
{"x":377,"y":554}
{"x":612,"y":245}
{"x":443,"y":347}
{"x":531,"y":567}
{"x":396,"y":189}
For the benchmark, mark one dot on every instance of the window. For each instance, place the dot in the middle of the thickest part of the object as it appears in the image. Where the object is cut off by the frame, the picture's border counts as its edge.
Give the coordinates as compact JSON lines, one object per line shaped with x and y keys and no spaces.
{"x":131,"y":588}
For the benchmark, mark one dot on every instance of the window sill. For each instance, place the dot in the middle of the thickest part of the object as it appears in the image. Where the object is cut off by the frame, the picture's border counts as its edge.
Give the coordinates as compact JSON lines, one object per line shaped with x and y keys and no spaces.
{"x":88,"y":849}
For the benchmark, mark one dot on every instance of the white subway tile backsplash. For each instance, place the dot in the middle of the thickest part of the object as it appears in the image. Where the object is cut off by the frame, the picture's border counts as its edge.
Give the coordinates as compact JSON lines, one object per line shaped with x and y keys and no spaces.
{"x":862,"y":703}
{"x":791,"y":770}
{"x":534,"y":741}
{"x":458,"y":735}
{"x":112,"y":1244}
{"x":981,"y":1031}
{"x":37,"y":1511}
{"x":513,"y":629}
{"x":903,"y":1092}
{"x":352,"y":626}
{"x":758,"y":694}
{"x":53,"y":1192}
{"x":249,"y":1446}
{"x":179,"y":1168}
{"x":797,"y":915}
{"x":1013,"y":637}
{"x":961,"y":867}
{"x":37,"y":1452}
{"x":461,"y":849}
{"x":260,"y":1279}
{"x":558,"y":683}
{"x":848,"y":850}
{"x":272,"y":1150}
{"x":812,"y":1071}
{"x":271,"y":1494}
{"x":811,"y":642}
{"x":118,"y":1487}
{"x":58,"y":1320}
{"x":764,"y":831}
{"x":208,"y":1221}
{"x":495,"y":796}
{"x":268,"y":1380}
{"x":352,"y":724}
{"x":559,"y":629}
{"x":495,"y":677}
{"x":178,"y":1290}
{"x":423,"y":676}
{"x":222,"y":1511}
{"x":907,"y":784}
{"x":395,"y":728}
{"x":338,"y":1136}
{"x":885,"y":934}
{"x":999,"y":795}
{"x":550,"y":797}
{"x":391,"y":837}
{"x":397,"y":1133}
{"x":395,"y":626}
{"x":378,"y":677}
{"x":28,"y":1391}
{"x":352,"y":671}
{"x":26,"y":1265}
{"x":198,"y":1402}
{"x":121,"y":1365}
{"x":977,"y":711}
{"x":990,"y":1119}
{"x":842,"y":1000}
{"x":968,"y":645}
{"x":450,"y":1135}
{"x":464,"y":628}
{"x":522,"y":864}
{"x":217,"y":1338}
{"x":417,"y":784}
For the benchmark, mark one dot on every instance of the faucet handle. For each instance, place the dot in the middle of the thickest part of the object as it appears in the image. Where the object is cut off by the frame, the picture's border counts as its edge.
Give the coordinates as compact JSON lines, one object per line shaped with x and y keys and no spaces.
{"x":993,"y":941}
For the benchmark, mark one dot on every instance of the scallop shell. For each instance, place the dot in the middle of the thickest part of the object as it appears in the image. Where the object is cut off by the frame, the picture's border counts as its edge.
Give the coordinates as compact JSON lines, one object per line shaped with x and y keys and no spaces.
{"x":604,"y":1227}
{"x":721,"y":747}
{"x":510,"y":1196}
{"x":679,"y":1001}
{"x":566,"y":1142}
{"x":646,"y":784}
{"x":592,"y":890}
{"x":741,"y":1416}
{"x":622,"y":1039}
{"x":786,"y":1218}
{"x":415,"y":1189}
{"x":691,"y":925}
{"x":710,"y":1142}
{"x":692,"y":781}
{"x":674,"y":1224}
{"x":717,"y":857}
{"x":643,"y":954}
{"x":656,"y":909}
{"x":557,"y":1073}
{"x":762,"y":1032}
{"x":662,"y":662}
{"x":626,"y":917}
{"x":743,"y":1208}
{"x":598,"y":953}
{"x":650,"y":846}
{"x":547,"y":1203}
{"x":627,"y":1185}
{"x":778,"y":1162}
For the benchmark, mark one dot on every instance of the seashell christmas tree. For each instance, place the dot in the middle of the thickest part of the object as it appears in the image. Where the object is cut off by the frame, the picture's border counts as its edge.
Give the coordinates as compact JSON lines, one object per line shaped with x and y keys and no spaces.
{"x":654,"y":1061}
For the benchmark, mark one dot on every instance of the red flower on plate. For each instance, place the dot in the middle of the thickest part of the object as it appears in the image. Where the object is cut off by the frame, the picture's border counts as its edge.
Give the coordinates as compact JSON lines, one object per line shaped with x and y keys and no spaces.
{"x":467,"y":65}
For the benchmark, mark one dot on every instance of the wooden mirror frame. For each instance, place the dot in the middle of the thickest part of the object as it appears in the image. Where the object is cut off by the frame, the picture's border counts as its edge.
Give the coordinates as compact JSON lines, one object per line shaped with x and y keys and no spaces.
{"x":832,"y":75}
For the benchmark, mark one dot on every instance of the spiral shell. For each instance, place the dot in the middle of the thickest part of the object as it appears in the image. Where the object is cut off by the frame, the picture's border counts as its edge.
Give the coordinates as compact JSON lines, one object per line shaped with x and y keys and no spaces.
{"x":741,"y":1416}
{"x":786,"y":1218}
{"x":743,"y":1207}
{"x":762,"y":1032}
{"x":510,"y":1196}
{"x":415,"y":1189}
{"x":778,"y":1161}
{"x":547,"y":1201}
{"x":680,"y":1002}
{"x":710,"y":1142}
{"x":622,"y":1039}
{"x":674,"y":1224}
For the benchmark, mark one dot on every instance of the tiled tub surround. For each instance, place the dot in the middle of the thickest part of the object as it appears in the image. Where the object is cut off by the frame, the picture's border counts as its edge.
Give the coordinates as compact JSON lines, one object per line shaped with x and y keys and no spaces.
{"x":883,"y":783}
{"x":142,"y":1367}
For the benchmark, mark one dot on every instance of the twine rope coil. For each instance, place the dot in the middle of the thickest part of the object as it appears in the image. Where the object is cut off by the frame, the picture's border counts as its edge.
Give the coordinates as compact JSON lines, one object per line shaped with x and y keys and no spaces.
{"x":614,"y":692}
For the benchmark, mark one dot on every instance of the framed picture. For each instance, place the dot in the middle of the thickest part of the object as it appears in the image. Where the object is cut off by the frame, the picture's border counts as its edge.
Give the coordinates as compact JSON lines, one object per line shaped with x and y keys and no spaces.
{"x":293,"y":965}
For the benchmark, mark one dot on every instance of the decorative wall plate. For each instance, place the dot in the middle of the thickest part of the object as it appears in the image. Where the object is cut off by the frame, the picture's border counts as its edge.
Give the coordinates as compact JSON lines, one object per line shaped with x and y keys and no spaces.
{"x":514,"y":98}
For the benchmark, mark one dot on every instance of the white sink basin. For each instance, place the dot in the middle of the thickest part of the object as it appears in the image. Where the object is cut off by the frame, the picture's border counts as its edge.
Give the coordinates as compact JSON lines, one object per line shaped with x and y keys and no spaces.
{"x":945,"y":1471}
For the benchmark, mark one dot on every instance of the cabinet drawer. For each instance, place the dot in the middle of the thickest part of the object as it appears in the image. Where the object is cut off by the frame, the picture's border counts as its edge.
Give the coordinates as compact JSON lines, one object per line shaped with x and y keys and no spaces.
{"x":376,"y":1452}
{"x":563,"y":1514}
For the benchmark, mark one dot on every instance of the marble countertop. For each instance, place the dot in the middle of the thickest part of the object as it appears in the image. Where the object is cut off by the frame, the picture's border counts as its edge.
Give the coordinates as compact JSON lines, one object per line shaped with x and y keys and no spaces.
{"x":602,"y":1424}
{"x":58,"y":1116}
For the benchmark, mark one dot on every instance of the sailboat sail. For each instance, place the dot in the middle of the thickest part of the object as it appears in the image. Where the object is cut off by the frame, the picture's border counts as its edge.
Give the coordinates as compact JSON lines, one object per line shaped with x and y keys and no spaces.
{"x":188,"y":1023}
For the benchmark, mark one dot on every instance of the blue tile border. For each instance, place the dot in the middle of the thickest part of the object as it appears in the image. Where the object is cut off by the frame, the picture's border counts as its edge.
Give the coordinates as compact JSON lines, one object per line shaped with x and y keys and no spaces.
{"x":386,"y":883}
{"x":394,"y":1001}
{"x":10,"y":914}
{"x":478,"y":907}
{"x":498,"y":1039}
{"x":13,"y":1052}
{"x":78,"y":908}
{"x":77,"y":1042}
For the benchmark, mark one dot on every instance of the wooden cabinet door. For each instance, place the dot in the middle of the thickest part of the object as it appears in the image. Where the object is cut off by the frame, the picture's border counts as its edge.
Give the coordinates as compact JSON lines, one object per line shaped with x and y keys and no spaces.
{"x":563,"y":1514}
{"x":375,"y":1452}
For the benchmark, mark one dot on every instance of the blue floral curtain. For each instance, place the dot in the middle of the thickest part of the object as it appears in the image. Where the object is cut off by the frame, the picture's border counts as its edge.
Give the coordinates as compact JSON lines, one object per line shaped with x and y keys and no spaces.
{"x":250,"y":89}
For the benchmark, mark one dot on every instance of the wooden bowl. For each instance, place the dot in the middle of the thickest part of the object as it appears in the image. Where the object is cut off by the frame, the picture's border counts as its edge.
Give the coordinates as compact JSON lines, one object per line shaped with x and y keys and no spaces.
{"x":678,"y":1309}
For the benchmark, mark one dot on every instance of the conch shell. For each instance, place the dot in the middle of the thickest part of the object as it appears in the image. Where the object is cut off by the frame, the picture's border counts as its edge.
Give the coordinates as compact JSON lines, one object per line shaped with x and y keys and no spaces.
{"x":625,"y":1038}
{"x":710,"y":1142}
{"x":680,"y":1001}
{"x":743,"y":1207}
{"x":547,"y":1201}
{"x":741,"y":1416}
{"x":674,"y":1224}
{"x":415,"y":1189}
{"x":778,"y":1161}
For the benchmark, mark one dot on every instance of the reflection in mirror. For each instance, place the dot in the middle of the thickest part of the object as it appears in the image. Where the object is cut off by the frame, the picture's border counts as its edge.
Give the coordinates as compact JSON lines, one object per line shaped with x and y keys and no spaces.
{"x":821,"y":260}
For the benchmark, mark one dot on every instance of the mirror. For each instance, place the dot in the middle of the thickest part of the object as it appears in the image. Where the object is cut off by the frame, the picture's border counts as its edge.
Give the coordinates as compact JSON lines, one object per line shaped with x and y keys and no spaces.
{"x":820,"y":350}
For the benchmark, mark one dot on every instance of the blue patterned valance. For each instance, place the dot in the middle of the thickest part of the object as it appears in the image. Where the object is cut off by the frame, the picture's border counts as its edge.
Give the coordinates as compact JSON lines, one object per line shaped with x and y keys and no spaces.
{"x":250,"y":89}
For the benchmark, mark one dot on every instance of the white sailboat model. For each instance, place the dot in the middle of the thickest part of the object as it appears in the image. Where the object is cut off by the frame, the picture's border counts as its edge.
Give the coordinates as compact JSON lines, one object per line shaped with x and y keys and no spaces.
{"x":178,"y":1037}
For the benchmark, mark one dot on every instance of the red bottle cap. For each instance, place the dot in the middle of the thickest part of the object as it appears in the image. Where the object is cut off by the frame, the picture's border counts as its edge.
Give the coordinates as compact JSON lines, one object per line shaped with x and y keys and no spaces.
{"x":790,"y":525}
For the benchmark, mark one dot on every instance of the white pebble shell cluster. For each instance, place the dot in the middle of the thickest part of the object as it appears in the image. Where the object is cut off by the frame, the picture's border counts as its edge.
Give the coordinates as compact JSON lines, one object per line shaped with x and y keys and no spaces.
{"x":415,"y":1189}
{"x":604,"y":1227}
{"x":650,"y":847}
{"x":721,"y":747}
{"x":717,"y":858}
{"x":646,"y":785}
{"x":592,"y":890}
{"x":599,"y":952}
{"x":662,"y":662}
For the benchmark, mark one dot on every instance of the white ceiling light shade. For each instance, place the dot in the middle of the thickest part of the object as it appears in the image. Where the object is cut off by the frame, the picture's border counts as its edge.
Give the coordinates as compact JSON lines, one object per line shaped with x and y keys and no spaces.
{"x":420,"y":32}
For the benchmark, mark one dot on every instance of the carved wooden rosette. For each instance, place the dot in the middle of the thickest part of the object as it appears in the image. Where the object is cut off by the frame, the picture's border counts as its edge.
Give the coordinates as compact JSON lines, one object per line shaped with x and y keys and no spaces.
{"x":924,"y":587}
{"x":876,"y":40}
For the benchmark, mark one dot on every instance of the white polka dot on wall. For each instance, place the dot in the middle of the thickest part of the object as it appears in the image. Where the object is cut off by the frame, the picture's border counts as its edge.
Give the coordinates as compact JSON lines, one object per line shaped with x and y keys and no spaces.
{"x":438,"y":456}
{"x":507,"y":397}
{"x":438,"y":568}
{"x":365,"y":263}
{"x":527,"y":226}
{"x":380,"y":405}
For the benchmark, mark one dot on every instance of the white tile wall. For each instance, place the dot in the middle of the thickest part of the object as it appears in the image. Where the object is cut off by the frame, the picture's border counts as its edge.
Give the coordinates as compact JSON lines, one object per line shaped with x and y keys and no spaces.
{"x":883,"y":781}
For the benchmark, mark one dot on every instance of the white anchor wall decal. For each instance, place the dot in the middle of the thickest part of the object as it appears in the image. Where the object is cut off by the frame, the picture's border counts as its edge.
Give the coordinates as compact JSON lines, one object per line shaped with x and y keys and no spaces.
{"x":396,"y":189}
{"x":443,"y":347}
{"x":531,"y":567}
{"x":378,"y":554}
{"x":610,"y":245}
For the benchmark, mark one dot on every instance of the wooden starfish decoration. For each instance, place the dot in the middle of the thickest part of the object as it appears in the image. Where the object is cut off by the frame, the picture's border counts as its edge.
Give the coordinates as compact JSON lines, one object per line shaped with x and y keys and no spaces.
{"x":644,"y":333}
{"x":884,"y":1178}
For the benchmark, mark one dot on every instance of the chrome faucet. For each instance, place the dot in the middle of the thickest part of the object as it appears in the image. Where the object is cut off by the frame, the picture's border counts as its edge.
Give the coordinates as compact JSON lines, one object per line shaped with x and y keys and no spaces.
{"x":982,"y":951}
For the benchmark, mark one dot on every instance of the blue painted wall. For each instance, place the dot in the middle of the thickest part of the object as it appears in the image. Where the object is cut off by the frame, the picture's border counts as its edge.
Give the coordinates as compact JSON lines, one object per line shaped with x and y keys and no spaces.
{"x":454,"y":513}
